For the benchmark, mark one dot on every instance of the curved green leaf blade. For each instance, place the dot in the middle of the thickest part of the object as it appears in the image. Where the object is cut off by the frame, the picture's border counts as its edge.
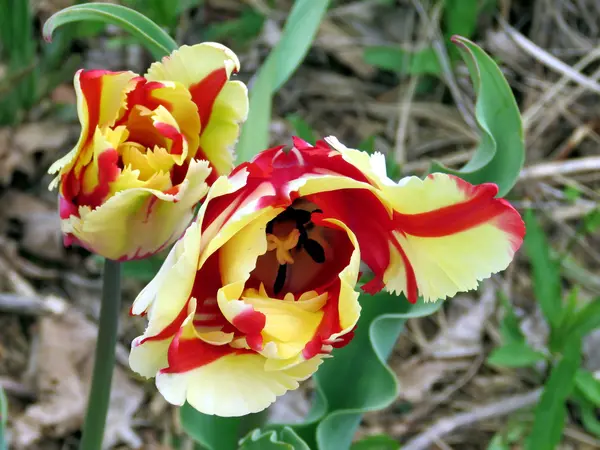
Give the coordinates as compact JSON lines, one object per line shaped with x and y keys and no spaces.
{"x":156,"y":40}
{"x":283,"y":439}
{"x":298,"y":34}
{"x":368,"y":383}
{"x":3,"y":419}
{"x":501,"y":153}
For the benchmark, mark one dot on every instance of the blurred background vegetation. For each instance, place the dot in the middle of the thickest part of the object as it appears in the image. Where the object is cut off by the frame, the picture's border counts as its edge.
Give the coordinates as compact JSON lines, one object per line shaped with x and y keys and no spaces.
{"x":515,"y":363}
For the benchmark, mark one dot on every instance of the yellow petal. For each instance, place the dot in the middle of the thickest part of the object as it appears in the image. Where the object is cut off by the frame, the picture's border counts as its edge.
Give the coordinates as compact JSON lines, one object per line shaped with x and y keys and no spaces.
{"x":191,"y":64}
{"x":234,"y":385}
{"x":222,"y":131}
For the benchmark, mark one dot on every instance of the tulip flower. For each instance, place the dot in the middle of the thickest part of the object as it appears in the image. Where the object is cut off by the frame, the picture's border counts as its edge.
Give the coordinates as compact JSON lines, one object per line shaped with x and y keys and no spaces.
{"x":262,"y":285}
{"x":149,"y":148}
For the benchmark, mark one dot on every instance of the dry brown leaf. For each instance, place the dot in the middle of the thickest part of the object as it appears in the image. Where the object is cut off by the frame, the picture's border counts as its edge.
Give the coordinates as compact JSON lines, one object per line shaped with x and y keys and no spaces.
{"x":41,"y":136}
{"x":41,"y":234}
{"x":64,"y":363}
{"x":17,"y":147}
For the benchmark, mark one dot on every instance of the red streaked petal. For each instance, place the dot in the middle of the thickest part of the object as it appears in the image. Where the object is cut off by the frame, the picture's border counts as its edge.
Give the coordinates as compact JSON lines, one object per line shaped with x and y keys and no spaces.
{"x":250,"y":321}
{"x":170,"y":330}
{"x":108,"y":171}
{"x":173,"y":134}
{"x":368,"y":218}
{"x":189,"y":354}
{"x":479,"y":208}
{"x":449,"y":235}
{"x":205,"y":92}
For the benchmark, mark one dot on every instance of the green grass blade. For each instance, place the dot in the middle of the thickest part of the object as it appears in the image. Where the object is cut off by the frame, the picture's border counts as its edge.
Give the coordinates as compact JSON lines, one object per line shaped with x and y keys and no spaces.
{"x":589,"y":386}
{"x":545,"y":270}
{"x":298,"y":34}
{"x":3,"y":419}
{"x":157,"y":41}
{"x":501,"y":152}
{"x":551,"y":410}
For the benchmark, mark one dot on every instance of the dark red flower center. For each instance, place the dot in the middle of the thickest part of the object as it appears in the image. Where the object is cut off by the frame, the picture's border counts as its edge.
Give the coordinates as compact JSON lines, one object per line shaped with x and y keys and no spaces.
{"x":301,"y":254}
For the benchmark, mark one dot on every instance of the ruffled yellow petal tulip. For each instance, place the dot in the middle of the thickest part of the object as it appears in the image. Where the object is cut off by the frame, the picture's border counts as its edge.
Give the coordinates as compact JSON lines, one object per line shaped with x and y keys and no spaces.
{"x":149,"y":149}
{"x":262,"y":286}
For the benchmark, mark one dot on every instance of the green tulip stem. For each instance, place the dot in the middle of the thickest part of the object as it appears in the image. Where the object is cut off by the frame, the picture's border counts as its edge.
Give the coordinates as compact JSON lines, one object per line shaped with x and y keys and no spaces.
{"x":104,"y":362}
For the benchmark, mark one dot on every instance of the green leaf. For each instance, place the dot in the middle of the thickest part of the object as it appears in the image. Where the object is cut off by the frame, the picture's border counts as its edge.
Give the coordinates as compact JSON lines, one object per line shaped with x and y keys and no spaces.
{"x":545,"y":271}
{"x":367,"y":386}
{"x":380,"y":442}
{"x":302,"y":129}
{"x":509,"y":327}
{"x":586,"y":320}
{"x":367,"y":145}
{"x":297,"y":36}
{"x":3,"y":419}
{"x":157,"y":41}
{"x":283,"y":439}
{"x":501,"y":153}
{"x":592,"y":221}
{"x":550,"y":412}
{"x":589,"y":417}
{"x":588,"y":385}
{"x":505,"y":439}
{"x":571,"y":193}
{"x":401,"y":61}
{"x":217,"y":433}
{"x":515,"y":354}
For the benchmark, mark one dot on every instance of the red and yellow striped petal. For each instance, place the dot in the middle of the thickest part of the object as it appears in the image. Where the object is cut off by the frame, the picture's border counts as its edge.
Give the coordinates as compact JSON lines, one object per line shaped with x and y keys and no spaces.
{"x":177,"y":100}
{"x":190,"y":65}
{"x":139,"y":221}
{"x":221,"y":132}
{"x":447,"y":234}
{"x":101,"y":96}
{"x":221,"y":104}
{"x":451,"y":235}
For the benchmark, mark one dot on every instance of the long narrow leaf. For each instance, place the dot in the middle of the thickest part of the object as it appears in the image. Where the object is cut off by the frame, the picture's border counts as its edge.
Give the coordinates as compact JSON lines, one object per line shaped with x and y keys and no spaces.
{"x":545,"y":270}
{"x":3,"y":418}
{"x":550,"y":413}
{"x":298,"y":34}
{"x":157,"y":41}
